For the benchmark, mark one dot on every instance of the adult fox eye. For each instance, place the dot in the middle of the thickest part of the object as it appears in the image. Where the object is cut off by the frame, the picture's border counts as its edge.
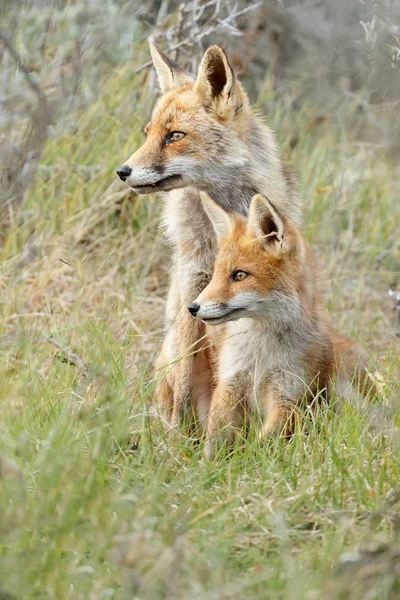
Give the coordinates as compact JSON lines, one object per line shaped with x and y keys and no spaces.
{"x":174,"y":136}
{"x":239,"y":275}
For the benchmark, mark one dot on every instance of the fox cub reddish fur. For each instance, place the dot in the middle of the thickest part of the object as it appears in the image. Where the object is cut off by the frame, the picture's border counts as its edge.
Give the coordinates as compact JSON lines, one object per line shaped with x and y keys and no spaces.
{"x":276,"y":347}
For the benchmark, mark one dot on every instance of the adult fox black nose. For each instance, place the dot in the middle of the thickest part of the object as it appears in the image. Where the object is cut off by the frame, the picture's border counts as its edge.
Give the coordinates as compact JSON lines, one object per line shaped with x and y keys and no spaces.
{"x":194,"y":308}
{"x":124,"y":172}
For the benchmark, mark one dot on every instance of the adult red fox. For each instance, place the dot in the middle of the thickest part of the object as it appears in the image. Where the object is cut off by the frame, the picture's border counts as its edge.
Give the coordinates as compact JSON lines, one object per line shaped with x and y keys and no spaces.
{"x":277,"y":346}
{"x":202,"y":135}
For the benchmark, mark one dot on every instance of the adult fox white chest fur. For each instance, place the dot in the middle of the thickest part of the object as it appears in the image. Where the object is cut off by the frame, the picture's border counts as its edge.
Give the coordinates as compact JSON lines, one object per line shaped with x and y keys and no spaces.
{"x":202,"y":136}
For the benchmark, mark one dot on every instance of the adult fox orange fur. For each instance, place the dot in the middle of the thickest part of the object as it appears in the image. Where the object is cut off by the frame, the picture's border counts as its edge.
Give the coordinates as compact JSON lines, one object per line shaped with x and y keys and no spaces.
{"x":277,"y":346}
{"x":202,"y":136}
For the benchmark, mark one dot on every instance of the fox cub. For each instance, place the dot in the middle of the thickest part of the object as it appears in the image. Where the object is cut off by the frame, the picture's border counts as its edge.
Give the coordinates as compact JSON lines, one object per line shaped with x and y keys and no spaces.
{"x":276,"y":347}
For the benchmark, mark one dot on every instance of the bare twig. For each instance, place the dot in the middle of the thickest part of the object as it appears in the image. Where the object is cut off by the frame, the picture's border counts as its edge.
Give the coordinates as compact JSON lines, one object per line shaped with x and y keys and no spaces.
{"x":21,"y":66}
{"x":19,"y":166}
{"x":69,"y":356}
{"x":180,"y":28}
{"x":194,"y":23}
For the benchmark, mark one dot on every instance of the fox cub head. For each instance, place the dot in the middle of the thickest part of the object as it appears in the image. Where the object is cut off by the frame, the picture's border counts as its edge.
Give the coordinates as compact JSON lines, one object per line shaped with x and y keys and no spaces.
{"x":260,"y":267}
{"x":194,"y":125}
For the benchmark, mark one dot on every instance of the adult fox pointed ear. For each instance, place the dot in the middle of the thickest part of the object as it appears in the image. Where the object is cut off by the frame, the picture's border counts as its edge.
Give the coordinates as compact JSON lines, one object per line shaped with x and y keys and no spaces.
{"x":216,"y":84}
{"x":221,"y":221}
{"x":170,"y":75}
{"x":265,"y":223}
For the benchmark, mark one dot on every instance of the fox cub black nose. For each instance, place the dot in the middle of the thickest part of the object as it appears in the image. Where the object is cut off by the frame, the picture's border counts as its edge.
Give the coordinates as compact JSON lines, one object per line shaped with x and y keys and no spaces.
{"x":124,"y":172}
{"x":194,"y":308}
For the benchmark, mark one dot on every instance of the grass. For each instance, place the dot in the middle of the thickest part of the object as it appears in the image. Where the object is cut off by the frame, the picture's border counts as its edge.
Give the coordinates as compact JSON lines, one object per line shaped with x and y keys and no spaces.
{"x":97,"y":500}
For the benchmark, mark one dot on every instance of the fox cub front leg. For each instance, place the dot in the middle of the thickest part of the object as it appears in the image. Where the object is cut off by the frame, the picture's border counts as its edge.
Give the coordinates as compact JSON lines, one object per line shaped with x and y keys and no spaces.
{"x":225,"y":419}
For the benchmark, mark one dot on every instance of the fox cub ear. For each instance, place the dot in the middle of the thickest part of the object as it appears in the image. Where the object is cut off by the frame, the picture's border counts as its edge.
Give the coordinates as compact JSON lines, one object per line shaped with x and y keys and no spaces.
{"x":170,"y":75}
{"x":221,"y":220}
{"x":216,"y":84}
{"x":265,"y":222}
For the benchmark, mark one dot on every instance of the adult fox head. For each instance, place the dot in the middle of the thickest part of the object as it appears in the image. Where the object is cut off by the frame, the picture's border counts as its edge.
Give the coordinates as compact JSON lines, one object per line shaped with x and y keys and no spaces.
{"x":260,"y":270}
{"x":195,"y":126}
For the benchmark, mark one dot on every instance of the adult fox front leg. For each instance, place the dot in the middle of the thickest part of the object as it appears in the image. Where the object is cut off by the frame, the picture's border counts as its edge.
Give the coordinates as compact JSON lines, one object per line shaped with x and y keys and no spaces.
{"x":179,"y":358}
{"x":188,"y":339}
{"x":191,"y":272}
{"x":202,"y":136}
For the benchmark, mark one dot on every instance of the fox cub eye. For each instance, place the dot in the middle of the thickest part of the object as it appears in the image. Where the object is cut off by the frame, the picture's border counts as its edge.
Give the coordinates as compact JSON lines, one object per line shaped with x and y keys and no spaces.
{"x":239,"y":275}
{"x":174,"y":136}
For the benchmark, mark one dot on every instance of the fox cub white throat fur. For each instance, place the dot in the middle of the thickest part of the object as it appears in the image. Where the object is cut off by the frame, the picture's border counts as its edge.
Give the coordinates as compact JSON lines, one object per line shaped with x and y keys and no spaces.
{"x":202,"y":135}
{"x":276,"y":347}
